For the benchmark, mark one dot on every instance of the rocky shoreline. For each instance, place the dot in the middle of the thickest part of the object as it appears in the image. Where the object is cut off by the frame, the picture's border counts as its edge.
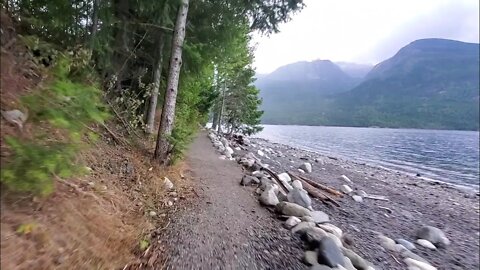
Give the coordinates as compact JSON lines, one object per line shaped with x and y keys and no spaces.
{"x":435,"y":226}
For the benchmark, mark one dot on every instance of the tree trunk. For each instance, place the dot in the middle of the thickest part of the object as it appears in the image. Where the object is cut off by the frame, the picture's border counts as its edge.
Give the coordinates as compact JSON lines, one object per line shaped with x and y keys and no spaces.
{"x":162,"y":149}
{"x":221,"y":110}
{"x":156,"y":86}
{"x":215,"y":116}
{"x":94,"y":27}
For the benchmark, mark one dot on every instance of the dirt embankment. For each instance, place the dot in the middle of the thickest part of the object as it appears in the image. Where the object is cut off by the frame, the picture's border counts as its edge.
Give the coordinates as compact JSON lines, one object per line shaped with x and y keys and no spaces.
{"x":100,"y":221}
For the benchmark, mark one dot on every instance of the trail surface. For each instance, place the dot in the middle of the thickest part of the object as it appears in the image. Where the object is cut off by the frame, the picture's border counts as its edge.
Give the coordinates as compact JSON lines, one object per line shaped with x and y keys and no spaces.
{"x":226,"y":228}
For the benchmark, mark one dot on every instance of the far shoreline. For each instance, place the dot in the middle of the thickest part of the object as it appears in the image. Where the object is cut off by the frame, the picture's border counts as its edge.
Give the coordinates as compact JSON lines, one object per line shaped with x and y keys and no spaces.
{"x":375,"y":127}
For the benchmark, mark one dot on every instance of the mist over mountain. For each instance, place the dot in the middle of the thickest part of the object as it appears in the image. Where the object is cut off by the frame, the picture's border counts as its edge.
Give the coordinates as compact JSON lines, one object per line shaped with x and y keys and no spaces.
{"x":354,"y":70}
{"x":430,"y":83}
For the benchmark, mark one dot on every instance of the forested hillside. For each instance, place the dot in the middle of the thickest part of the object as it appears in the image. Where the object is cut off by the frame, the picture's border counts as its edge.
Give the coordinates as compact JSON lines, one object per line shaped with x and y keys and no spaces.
{"x":99,"y":101}
{"x":430,"y":83}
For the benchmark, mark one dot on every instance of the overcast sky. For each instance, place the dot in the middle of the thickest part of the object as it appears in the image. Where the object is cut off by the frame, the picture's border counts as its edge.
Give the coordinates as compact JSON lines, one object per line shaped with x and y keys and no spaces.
{"x":366,"y":31}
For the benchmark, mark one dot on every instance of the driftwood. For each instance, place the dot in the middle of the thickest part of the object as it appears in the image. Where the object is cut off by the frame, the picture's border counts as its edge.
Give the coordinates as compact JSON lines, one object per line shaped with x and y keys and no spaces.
{"x":314,"y":191}
{"x":275,"y":177}
{"x":317,"y":185}
{"x":377,"y":197}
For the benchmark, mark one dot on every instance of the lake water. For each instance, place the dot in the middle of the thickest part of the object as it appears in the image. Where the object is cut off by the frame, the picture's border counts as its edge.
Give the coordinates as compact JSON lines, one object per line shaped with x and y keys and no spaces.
{"x":443,"y":155}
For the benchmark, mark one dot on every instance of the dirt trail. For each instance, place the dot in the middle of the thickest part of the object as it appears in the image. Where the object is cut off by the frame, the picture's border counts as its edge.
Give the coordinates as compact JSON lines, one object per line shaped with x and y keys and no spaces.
{"x":226,"y":228}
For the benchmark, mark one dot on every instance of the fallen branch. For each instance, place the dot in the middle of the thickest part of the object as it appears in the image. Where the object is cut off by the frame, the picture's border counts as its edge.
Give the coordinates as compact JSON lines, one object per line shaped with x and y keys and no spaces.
{"x":377,"y":197}
{"x":275,"y":177}
{"x":317,"y":185}
{"x":314,"y":192}
{"x":386,"y":209}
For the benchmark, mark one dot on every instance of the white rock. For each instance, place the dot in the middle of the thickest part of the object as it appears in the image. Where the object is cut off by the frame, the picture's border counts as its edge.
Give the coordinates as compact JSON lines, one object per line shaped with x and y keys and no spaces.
{"x":422,"y":265}
{"x":260,"y":153}
{"x":426,"y":243}
{"x":167,"y":183}
{"x":345,"y":178}
{"x":15,"y":117}
{"x":301,"y":171}
{"x":302,"y":226}
{"x":238,"y":148}
{"x":292,"y":222}
{"x":387,"y":243}
{"x":357,"y":198}
{"x":307,"y":167}
{"x":331,"y":229}
{"x":228,"y":151}
{"x":224,"y":142}
{"x":297,"y":184}
{"x":286,"y":184}
{"x":284,"y":177}
{"x":268,"y":197}
{"x":300,"y":197}
{"x":346,"y":189}
{"x":434,"y":235}
{"x":152,"y":213}
{"x":223,"y":157}
{"x":319,"y":217}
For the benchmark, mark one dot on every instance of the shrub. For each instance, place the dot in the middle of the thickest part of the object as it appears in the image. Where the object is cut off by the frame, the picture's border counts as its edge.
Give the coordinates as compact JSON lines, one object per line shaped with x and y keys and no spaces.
{"x":63,"y":111}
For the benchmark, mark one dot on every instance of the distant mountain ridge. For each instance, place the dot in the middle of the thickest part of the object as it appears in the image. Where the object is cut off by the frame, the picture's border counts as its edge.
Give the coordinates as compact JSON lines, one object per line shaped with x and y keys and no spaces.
{"x":354,"y":70}
{"x":297,"y":86}
{"x":430,"y":83}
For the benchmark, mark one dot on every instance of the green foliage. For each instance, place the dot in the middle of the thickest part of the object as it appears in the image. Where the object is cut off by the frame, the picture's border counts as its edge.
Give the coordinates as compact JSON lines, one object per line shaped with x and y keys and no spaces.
{"x":143,"y":244}
{"x":123,"y":37}
{"x":67,"y":107}
{"x":33,"y":165}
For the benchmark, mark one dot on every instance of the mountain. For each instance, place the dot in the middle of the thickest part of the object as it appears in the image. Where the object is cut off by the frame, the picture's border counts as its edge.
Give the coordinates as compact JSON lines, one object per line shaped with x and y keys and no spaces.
{"x":354,"y":70}
{"x":430,"y":83}
{"x":293,"y":89}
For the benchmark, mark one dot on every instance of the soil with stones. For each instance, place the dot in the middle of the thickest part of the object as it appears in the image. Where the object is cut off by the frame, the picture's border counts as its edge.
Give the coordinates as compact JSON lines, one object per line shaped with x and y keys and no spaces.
{"x":226,"y":227}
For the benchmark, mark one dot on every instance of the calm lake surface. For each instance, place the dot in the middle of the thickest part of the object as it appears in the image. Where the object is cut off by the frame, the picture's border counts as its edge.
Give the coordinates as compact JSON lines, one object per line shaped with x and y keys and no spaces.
{"x":444,"y":155}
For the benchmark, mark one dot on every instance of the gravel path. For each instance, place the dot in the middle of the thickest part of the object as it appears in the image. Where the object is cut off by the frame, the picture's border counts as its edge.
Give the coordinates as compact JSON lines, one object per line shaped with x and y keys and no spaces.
{"x":226,"y":228}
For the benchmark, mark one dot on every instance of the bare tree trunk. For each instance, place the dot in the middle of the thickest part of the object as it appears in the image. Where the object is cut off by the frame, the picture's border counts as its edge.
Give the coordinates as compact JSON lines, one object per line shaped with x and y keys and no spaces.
{"x":156,"y":86}
{"x":221,"y":109}
{"x":94,"y":27}
{"x":162,"y":148}
{"x":215,"y":116}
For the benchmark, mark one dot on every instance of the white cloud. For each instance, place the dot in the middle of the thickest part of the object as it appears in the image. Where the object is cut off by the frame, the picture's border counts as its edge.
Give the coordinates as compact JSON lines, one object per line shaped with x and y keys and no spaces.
{"x":365,"y":31}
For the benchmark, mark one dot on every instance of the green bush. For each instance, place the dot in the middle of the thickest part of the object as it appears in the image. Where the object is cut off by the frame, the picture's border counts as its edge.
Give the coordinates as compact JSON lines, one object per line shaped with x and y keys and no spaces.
{"x":63,"y":110}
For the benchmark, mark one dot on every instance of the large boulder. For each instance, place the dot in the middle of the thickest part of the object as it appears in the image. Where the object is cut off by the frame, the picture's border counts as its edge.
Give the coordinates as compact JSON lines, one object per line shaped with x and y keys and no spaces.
{"x":312,"y":236}
{"x":284,"y":177}
{"x":303,"y":226}
{"x":306,"y":167}
{"x":249,"y":180}
{"x":228,"y":152}
{"x":297,"y":184}
{"x":329,"y":253}
{"x":292,"y":222}
{"x":407,"y":244}
{"x":356,"y":260}
{"x":300,"y":197}
{"x":331,"y":229}
{"x":434,"y":235}
{"x":319,"y":217}
{"x":269,"y":197}
{"x":292,"y":209}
